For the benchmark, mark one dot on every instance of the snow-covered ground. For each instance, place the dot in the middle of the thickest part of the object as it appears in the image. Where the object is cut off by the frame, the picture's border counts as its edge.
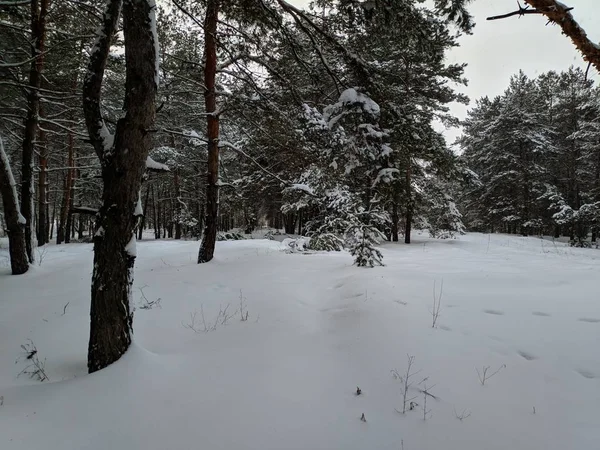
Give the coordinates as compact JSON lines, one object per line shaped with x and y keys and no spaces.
{"x":317,"y":328}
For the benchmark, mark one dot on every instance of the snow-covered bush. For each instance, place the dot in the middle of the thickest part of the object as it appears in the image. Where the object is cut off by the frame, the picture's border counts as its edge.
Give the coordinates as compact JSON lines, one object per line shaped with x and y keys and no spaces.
{"x":301,"y":244}
{"x":328,"y":242}
{"x":229,"y":236}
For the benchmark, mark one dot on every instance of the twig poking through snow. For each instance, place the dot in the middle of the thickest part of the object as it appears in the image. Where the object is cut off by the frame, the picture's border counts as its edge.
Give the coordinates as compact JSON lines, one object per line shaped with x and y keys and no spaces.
{"x":484,"y":375}
{"x":463,"y":415}
{"x":425,"y":395}
{"x":65,"y":308}
{"x":148,"y":304}
{"x":222,"y":318}
{"x":437,"y":304}
{"x":35,"y":368}
{"x":406,"y":383}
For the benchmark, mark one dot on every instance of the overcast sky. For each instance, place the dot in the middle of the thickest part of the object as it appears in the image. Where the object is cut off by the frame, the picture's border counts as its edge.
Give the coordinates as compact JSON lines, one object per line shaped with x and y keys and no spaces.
{"x":498,"y":49}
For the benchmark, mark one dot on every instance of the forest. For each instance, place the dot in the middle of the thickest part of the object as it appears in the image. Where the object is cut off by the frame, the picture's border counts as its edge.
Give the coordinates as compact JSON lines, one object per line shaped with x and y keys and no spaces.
{"x":176,"y":132}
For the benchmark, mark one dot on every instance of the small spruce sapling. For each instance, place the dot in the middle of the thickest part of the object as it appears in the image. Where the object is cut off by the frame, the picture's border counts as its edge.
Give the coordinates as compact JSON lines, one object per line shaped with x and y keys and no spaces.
{"x":362,"y":241}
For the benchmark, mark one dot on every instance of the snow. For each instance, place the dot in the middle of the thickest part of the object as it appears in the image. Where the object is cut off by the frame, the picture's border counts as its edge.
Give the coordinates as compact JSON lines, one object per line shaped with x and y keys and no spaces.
{"x":106,"y":136}
{"x":139,"y":210}
{"x":352,"y":96}
{"x":302,"y":187}
{"x":131,"y":247}
{"x":153,"y":165}
{"x":318,"y":327}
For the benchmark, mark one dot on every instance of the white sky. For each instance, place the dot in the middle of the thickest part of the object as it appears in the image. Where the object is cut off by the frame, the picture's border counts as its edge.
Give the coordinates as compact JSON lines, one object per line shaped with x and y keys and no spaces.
{"x":498,"y":49}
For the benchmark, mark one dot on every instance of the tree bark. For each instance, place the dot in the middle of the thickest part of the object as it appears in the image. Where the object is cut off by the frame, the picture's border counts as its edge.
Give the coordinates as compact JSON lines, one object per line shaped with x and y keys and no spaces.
{"x":409,"y":206}
{"x":395,"y":220}
{"x":123,"y":160}
{"x":69,"y":182}
{"x":15,"y":224}
{"x":207,"y":248}
{"x":42,"y":222}
{"x":155,"y":218}
{"x":39,"y":10}
{"x":177,"y":204}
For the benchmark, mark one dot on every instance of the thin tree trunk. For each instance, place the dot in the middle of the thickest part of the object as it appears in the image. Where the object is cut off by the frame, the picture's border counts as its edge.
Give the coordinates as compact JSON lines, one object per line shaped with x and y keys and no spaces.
{"x":207,"y":248}
{"x":123,"y":160}
{"x":143,"y":220}
{"x":42,"y":222}
{"x":177,"y":204}
{"x":409,"y":207}
{"x":395,"y":220}
{"x":53,"y":219}
{"x":69,"y":225}
{"x":154,"y":217}
{"x":38,"y":37}
{"x":15,"y":222}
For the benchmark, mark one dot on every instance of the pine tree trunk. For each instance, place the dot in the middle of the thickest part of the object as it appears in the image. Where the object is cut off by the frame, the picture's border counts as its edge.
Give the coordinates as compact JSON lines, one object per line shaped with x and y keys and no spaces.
{"x":154,"y":216}
{"x":53,"y":218}
{"x":80,"y":227}
{"x":395,"y":220}
{"x":409,"y":206}
{"x":177,"y":204}
{"x":123,"y":166}
{"x":42,"y":222}
{"x":15,"y":225}
{"x":143,"y":219}
{"x":158,"y":216}
{"x":207,"y":248}
{"x":69,"y":224}
{"x":38,"y":36}
{"x":408,"y":225}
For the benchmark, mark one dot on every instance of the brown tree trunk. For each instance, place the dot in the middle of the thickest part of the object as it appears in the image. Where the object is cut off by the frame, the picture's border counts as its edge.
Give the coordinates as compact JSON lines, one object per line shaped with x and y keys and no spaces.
{"x":177,"y":204}
{"x":69,"y":233}
{"x":53,"y":218}
{"x":409,"y":207}
{"x":207,"y":248}
{"x":395,"y":220}
{"x":123,"y":165}
{"x":15,"y":224}
{"x":155,"y":219}
{"x":38,"y":36}
{"x":42,"y":222}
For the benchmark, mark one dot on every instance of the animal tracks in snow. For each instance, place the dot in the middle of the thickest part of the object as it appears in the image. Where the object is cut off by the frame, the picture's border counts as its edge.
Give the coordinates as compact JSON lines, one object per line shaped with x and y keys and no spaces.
{"x":589,"y":320}
{"x":526,"y":355}
{"x":586,"y":373}
{"x":493,"y":312}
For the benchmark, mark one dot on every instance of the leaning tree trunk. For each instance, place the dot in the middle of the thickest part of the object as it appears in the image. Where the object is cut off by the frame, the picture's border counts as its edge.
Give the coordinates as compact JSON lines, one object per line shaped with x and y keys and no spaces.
{"x":14,"y":220}
{"x":207,"y":248}
{"x":123,"y":157}
{"x":38,"y":35}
